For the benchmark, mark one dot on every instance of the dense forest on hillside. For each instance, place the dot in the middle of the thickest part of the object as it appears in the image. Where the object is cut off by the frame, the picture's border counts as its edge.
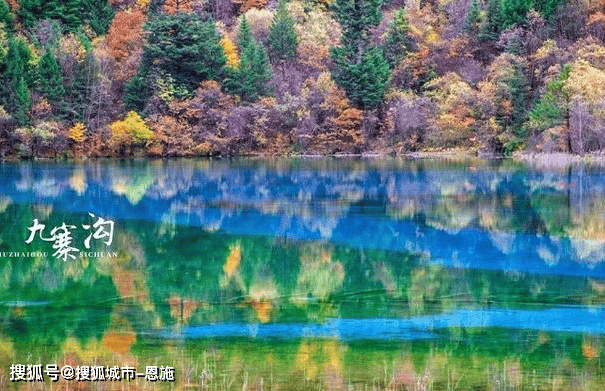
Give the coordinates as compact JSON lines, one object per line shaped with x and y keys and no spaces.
{"x":229,"y":77}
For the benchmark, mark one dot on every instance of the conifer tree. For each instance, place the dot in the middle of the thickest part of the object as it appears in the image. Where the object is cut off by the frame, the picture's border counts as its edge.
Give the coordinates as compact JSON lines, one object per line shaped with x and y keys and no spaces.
{"x":256,"y":71}
{"x":51,"y":79}
{"x":547,"y":7}
{"x":186,"y":48}
{"x":30,"y":11}
{"x":398,"y":41}
{"x":72,"y":14}
{"x":364,"y":82}
{"x":249,"y":80}
{"x":138,"y":91}
{"x":22,"y":100}
{"x":181,"y":46}
{"x":244,"y":35}
{"x":490,"y":31}
{"x":360,"y":69}
{"x":16,"y":61}
{"x":282,"y":39}
{"x":519,"y":90}
{"x":472,"y":16}
{"x":513,"y":12}
{"x":6,"y":16}
{"x":356,"y":17}
{"x":98,"y":14}
{"x":52,"y":9}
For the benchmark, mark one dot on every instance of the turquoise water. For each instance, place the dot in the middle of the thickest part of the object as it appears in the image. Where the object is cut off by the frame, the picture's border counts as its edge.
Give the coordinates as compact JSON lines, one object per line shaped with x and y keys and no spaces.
{"x":307,"y":274}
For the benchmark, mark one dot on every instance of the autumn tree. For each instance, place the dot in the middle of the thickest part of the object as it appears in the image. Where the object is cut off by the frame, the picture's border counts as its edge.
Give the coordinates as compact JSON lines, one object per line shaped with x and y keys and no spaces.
{"x":453,"y":122}
{"x":124,"y":42}
{"x":174,"y":6}
{"x":360,"y":68}
{"x":77,"y":132}
{"x":230,"y":52}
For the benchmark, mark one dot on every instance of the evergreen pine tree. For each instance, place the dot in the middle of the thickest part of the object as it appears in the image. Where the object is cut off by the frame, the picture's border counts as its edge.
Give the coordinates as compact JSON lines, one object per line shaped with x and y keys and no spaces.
{"x":244,"y":35}
{"x":138,"y":92}
{"x":30,"y":11}
{"x":282,"y":39}
{"x":513,"y":12}
{"x":361,"y":70}
{"x":364,"y":82}
{"x":398,"y":41}
{"x":16,"y":61}
{"x":3,"y":47}
{"x":187,"y":48}
{"x":519,"y":90}
{"x":249,"y":81}
{"x":51,"y":79}
{"x":260,"y":70}
{"x":72,"y":14}
{"x":490,"y":31}
{"x":98,"y":14}
{"x":472,"y":16}
{"x":547,"y":8}
{"x":76,"y":104}
{"x":53,"y":9}
{"x":6,"y":16}
{"x":22,"y":101}
{"x":356,"y":17}
{"x":183,"y":47}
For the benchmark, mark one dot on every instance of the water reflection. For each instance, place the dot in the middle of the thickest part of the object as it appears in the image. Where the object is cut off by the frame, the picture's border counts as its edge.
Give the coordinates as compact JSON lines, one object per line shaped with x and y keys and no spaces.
{"x":326,"y":274}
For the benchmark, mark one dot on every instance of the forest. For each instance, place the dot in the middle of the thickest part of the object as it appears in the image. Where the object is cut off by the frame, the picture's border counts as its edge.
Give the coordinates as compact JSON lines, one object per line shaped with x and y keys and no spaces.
{"x":163,"y":78}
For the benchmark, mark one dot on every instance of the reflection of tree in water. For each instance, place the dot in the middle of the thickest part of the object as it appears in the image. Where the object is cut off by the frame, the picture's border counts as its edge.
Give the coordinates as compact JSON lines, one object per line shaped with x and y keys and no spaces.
{"x":321,"y":361}
{"x":319,"y":277}
{"x":168,"y":275}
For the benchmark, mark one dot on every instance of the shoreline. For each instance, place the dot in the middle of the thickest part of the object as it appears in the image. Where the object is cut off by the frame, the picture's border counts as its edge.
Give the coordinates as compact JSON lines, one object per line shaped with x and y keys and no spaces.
{"x":540,"y":159}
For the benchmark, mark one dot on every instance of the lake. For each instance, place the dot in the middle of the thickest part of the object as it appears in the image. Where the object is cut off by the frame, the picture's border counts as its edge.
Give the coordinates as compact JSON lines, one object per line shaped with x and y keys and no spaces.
{"x":302,"y":274}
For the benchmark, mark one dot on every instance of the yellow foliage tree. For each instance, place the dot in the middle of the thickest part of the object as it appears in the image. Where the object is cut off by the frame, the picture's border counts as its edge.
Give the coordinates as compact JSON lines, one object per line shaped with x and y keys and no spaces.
{"x":131,"y":129}
{"x":586,"y":81}
{"x":454,"y":122}
{"x":230,"y":52}
{"x":317,"y":32}
{"x":77,"y":132}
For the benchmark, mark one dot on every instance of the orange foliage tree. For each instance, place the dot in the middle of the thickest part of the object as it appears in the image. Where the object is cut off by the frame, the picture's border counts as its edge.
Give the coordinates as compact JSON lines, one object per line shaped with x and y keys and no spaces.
{"x":248,"y":4}
{"x":124,"y":42}
{"x":174,"y":6}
